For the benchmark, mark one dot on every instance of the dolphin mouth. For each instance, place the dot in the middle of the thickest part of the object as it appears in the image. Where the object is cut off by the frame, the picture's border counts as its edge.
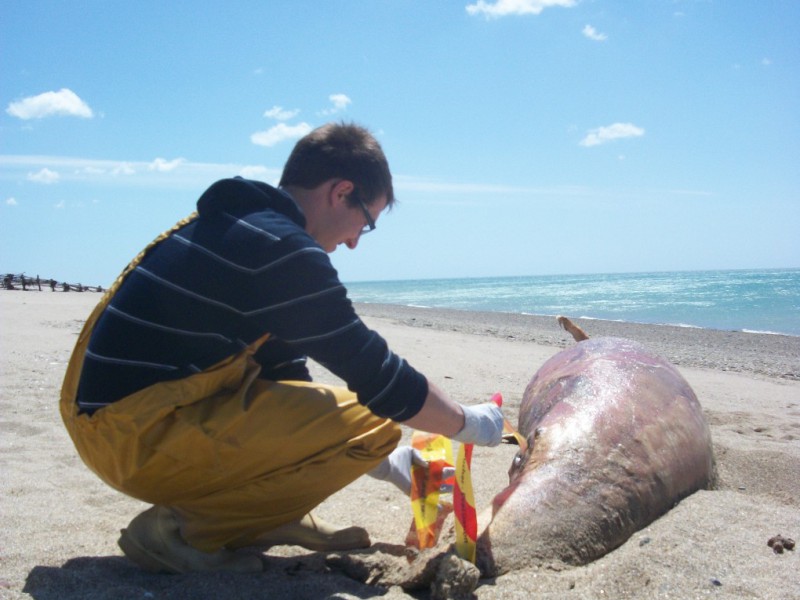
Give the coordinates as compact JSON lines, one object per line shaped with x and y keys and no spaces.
{"x":514,"y":437}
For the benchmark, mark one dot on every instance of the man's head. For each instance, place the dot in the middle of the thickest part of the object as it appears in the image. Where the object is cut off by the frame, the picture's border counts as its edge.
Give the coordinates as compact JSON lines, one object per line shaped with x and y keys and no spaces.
{"x":340,"y":178}
{"x":340,"y":151}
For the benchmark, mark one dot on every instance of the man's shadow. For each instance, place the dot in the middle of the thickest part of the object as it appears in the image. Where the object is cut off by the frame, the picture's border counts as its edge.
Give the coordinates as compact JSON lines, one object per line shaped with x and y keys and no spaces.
{"x":303,"y":577}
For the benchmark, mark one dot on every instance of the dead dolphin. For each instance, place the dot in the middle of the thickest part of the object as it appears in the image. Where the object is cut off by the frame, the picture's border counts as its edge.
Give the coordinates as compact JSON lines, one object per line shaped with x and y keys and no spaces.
{"x":615,"y":438}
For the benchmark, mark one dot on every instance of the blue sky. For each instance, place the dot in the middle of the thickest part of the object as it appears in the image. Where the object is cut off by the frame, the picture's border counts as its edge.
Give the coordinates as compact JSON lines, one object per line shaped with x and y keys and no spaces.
{"x":526,"y":137}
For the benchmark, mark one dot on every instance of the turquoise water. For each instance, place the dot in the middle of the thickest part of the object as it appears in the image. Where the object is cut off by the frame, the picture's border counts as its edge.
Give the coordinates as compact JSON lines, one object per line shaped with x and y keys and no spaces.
{"x":758,"y":300}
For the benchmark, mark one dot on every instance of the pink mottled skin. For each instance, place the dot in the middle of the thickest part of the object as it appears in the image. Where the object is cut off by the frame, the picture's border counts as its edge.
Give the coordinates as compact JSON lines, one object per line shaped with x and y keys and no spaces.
{"x":616,"y":437}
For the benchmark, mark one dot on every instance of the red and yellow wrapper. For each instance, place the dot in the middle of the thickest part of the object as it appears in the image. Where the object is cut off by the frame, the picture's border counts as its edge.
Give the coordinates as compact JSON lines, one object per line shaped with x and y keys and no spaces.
{"x":429,"y":511}
{"x":464,"y":500}
{"x":464,"y":505}
{"x":426,"y":485}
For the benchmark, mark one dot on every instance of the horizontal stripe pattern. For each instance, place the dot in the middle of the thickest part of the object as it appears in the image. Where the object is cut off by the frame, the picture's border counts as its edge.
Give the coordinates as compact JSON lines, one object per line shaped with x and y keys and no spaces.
{"x":243,"y":268}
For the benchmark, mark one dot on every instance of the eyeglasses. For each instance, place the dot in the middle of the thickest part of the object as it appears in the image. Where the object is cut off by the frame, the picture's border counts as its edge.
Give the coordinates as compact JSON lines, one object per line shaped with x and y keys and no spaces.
{"x":370,"y":226}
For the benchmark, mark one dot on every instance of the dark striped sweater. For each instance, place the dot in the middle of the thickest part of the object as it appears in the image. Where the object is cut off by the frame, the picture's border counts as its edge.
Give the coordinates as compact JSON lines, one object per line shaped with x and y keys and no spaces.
{"x":244,"y":267}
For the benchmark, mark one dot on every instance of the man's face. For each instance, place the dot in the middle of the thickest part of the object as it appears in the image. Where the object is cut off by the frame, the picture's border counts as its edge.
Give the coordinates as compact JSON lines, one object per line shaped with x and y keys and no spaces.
{"x":344,"y":221}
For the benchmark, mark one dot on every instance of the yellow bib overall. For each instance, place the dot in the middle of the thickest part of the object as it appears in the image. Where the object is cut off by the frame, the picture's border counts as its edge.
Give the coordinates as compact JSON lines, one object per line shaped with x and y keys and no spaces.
{"x":233,"y":455}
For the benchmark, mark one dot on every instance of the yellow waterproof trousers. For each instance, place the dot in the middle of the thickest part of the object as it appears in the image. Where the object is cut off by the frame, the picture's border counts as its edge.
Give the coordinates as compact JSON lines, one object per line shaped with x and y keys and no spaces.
{"x":234,"y":455}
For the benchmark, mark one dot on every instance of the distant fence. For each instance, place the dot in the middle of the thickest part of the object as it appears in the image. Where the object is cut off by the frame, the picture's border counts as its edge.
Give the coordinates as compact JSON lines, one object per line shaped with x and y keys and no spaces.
{"x":25,"y":283}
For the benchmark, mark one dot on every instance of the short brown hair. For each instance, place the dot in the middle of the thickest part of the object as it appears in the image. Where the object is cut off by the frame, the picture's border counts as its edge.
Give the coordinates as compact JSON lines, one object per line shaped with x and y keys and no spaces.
{"x":340,"y":150}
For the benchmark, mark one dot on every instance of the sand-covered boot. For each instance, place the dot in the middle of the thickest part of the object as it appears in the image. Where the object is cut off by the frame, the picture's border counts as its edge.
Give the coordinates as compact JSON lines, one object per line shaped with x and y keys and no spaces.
{"x":313,"y":533}
{"x":153,"y":541}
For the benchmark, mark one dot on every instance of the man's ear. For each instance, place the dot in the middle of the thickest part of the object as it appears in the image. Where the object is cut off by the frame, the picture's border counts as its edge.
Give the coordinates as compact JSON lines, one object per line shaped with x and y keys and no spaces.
{"x":341,"y":191}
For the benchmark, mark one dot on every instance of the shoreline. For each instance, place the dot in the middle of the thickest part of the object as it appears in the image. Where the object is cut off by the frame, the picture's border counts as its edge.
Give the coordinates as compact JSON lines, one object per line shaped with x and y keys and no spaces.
{"x":763,"y":354}
{"x":770,"y":355}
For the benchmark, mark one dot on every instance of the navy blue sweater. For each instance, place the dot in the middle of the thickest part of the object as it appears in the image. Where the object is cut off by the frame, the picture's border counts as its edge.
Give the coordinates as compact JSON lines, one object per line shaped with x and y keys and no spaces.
{"x":244,"y":267}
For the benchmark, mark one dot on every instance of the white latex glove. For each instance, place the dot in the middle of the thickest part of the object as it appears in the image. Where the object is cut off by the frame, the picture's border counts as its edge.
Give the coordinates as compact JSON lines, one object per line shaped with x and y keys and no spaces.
{"x":396,"y":468}
{"x":483,"y":425}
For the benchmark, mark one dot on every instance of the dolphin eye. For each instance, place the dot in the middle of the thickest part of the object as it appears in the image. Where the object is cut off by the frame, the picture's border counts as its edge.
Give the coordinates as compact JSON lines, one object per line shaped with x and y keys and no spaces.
{"x":517,"y":460}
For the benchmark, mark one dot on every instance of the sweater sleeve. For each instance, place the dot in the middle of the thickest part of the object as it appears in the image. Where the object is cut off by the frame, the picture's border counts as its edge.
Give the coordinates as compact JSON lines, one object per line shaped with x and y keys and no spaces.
{"x":314,"y":316}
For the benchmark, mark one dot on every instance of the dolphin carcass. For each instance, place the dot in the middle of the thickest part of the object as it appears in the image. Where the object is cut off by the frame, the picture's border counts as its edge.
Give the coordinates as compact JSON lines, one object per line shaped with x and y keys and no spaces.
{"x":615,"y":438}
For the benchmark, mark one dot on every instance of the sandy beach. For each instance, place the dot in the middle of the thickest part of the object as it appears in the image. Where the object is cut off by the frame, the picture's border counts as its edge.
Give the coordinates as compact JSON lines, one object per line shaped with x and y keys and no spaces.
{"x":59,"y":523}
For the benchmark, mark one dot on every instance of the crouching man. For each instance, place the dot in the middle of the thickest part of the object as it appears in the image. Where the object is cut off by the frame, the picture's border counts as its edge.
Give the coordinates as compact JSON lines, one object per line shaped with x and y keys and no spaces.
{"x":188,"y":387}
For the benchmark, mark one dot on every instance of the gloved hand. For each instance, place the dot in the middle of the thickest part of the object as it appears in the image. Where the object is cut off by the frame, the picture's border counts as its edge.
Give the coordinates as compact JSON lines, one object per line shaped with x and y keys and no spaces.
{"x":396,"y":468}
{"x":483,"y":425}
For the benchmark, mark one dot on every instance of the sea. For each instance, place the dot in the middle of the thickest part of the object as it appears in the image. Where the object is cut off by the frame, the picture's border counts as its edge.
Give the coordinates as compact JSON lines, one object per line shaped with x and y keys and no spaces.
{"x":759,"y":301}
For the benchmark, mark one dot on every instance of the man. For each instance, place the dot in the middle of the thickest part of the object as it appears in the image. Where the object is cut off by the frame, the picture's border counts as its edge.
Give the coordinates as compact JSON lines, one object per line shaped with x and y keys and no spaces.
{"x":188,"y":386}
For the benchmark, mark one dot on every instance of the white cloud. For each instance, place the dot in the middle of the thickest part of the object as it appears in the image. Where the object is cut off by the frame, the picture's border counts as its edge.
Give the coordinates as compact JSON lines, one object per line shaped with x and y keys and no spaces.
{"x":123,"y":169}
{"x":60,"y":206}
{"x":601,"y":135}
{"x":340,"y":102}
{"x":165,"y":166}
{"x":19,"y":168}
{"x":256,"y":172}
{"x":90,"y":170}
{"x":766,"y":62}
{"x":279,"y":133}
{"x":422,"y":184}
{"x":279,"y":114}
{"x":45,"y":176}
{"x":11,"y":202}
{"x":591,"y":33}
{"x":63,"y":102}
{"x":503,"y":8}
